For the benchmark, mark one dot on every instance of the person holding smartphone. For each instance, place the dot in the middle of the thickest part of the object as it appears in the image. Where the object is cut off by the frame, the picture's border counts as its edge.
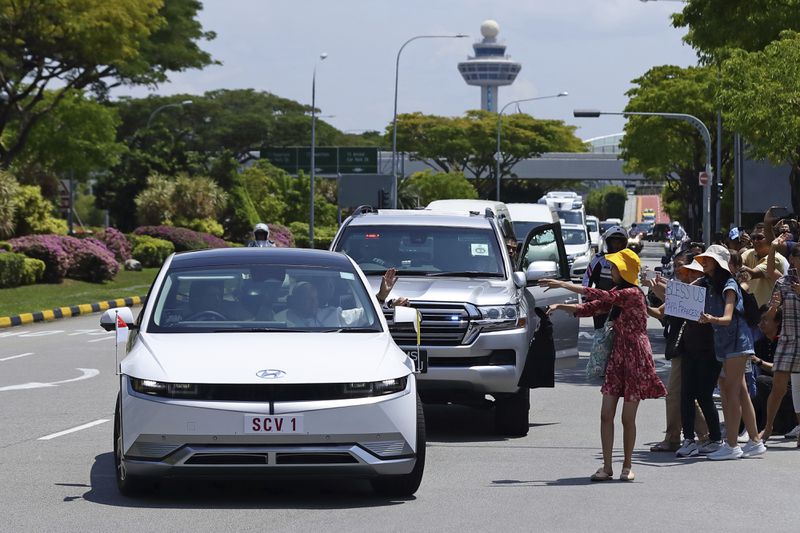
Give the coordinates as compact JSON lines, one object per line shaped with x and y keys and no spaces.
{"x":755,"y":263}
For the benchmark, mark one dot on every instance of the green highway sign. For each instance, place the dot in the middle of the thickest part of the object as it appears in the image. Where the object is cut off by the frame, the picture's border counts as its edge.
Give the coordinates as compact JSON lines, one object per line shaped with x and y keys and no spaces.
{"x":330,"y":160}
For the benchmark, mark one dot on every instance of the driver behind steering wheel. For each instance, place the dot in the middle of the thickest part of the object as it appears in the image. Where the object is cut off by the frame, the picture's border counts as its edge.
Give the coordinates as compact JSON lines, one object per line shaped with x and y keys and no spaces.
{"x":206,"y":301}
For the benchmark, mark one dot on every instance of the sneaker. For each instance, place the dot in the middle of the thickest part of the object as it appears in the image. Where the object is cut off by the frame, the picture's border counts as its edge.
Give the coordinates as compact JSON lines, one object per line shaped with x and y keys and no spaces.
{"x":753,"y":449}
{"x":709,"y":447}
{"x":794,"y":433}
{"x":688,"y":449}
{"x":726,"y":453}
{"x":743,"y":437}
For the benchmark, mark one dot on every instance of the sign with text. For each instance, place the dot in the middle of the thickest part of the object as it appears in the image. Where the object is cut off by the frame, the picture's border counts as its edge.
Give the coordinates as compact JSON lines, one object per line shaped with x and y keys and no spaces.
{"x":330,"y":160}
{"x":684,"y":301}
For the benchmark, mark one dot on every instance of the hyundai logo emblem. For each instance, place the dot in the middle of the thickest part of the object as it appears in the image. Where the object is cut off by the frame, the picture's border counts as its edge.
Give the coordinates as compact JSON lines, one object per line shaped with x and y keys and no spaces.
{"x":270,"y":373}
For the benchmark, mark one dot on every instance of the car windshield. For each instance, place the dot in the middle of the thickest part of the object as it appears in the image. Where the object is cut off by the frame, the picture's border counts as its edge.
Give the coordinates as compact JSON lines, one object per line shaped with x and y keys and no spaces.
{"x":262,"y":297}
{"x":424,"y":250}
{"x":521,"y":229}
{"x":592,"y":225}
{"x":570,"y":217}
{"x":573,"y":236}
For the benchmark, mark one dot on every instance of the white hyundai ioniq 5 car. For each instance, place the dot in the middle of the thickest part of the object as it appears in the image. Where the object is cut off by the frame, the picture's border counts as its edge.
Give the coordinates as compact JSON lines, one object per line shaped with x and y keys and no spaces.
{"x":265,"y":362}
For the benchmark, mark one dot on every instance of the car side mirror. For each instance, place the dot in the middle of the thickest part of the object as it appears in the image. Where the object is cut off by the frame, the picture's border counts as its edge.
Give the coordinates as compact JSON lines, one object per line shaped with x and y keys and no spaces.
{"x":541,"y":270}
{"x":405,"y":315}
{"x":519,"y":279}
{"x":108,"y":320}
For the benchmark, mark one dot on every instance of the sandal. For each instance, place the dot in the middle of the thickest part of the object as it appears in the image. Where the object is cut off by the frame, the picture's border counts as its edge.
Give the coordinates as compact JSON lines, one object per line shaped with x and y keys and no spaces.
{"x":627,"y":475}
{"x":664,"y":446}
{"x":602,"y":475}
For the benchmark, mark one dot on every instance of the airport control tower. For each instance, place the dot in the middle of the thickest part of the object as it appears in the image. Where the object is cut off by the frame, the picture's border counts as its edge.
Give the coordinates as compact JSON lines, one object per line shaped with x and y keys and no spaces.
{"x":490,"y":67}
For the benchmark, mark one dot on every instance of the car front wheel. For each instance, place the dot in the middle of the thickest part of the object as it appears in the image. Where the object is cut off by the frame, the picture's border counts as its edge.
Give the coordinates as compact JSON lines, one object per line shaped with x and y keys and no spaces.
{"x":127,"y":484}
{"x":406,"y":484}
{"x":512,"y":413}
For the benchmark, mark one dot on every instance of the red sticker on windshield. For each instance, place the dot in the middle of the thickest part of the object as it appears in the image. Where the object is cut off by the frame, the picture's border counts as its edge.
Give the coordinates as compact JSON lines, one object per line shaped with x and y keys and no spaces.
{"x":372,"y":236}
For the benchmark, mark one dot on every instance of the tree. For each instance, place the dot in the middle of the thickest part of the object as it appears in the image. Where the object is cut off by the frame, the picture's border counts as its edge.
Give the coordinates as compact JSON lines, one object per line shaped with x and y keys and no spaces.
{"x":87,"y":44}
{"x":440,"y":186}
{"x":183,"y":201}
{"x":672,"y":151}
{"x":759,"y":97}
{"x":718,"y":27}
{"x":468,"y":144}
{"x":77,"y":137}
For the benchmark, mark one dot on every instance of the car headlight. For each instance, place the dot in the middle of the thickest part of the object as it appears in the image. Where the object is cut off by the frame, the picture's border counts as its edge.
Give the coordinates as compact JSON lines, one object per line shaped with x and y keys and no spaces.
{"x":495,"y":317}
{"x":165,"y":390}
{"x":375,"y":388}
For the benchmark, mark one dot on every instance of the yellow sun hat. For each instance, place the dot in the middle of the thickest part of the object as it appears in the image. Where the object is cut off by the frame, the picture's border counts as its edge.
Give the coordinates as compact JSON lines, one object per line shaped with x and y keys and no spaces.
{"x":628,"y":264}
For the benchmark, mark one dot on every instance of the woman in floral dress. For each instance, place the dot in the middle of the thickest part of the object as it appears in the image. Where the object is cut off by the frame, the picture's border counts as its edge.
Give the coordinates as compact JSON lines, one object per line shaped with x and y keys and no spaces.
{"x":630,"y":373}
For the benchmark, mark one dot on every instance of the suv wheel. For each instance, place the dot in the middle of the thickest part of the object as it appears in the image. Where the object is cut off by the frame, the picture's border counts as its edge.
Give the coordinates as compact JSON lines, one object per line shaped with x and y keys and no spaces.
{"x":511,"y":413}
{"x":127,"y":484}
{"x":407,"y":484}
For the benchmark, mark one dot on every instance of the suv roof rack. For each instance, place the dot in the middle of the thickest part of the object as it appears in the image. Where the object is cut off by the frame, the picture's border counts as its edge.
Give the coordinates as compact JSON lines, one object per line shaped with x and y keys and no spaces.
{"x":489,"y":213}
{"x":363,"y":210}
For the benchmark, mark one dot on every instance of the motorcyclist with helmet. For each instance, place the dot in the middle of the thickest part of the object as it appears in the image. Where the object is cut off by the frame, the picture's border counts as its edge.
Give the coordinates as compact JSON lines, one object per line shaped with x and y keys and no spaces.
{"x":261,"y":237}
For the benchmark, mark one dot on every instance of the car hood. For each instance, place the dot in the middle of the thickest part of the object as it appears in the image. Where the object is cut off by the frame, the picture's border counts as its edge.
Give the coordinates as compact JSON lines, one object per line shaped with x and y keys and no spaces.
{"x":236,"y":357}
{"x":447,"y":289}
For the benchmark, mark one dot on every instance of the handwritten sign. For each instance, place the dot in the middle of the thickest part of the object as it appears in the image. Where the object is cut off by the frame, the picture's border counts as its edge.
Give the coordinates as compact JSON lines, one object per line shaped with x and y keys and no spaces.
{"x":684,"y":301}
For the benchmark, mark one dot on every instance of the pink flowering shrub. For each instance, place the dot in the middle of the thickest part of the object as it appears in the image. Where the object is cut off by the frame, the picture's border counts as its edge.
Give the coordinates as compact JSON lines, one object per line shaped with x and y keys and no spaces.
{"x":281,"y":236}
{"x":47,"y":248}
{"x":116,"y":242}
{"x":64,"y":256}
{"x":183,"y":238}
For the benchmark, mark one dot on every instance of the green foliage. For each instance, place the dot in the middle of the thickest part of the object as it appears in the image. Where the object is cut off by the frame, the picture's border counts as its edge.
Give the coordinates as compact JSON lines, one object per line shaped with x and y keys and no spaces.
{"x":9,"y":189}
{"x":180,"y":200}
{"x":32,"y":271}
{"x":86,"y":208}
{"x":79,"y":44}
{"x":606,"y":202}
{"x":11,"y":269}
{"x":149,"y":251}
{"x":205,"y":225}
{"x":759,"y":96}
{"x":469,"y":143}
{"x":323,"y":235}
{"x":717,"y":27}
{"x":34,"y":214}
{"x":78,"y":136}
{"x":672,"y":151}
{"x":431,"y":186}
{"x":6,"y":246}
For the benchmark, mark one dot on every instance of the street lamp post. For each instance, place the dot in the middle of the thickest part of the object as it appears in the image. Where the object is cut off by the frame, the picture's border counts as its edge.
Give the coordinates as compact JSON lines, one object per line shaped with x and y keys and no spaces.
{"x":394,"y":116}
{"x":498,"y":154}
{"x":322,"y":57}
{"x":166,"y":106}
{"x":700,"y":127}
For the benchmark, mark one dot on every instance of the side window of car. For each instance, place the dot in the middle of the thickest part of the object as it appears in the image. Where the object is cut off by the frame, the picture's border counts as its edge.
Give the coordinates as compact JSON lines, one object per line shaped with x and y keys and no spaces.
{"x":542,"y":247}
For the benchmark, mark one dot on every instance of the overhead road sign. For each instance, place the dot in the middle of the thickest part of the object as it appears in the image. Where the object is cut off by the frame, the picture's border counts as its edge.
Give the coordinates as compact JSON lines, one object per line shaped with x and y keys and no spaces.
{"x":329,"y":160}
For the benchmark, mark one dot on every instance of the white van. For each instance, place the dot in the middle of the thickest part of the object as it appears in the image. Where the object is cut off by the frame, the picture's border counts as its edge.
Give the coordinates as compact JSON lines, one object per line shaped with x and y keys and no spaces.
{"x":478,"y":207}
{"x":525,"y":217}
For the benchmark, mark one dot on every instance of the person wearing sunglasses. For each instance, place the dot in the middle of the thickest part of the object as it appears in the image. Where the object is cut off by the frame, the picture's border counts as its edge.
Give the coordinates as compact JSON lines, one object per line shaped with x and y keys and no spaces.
{"x":754,"y":262}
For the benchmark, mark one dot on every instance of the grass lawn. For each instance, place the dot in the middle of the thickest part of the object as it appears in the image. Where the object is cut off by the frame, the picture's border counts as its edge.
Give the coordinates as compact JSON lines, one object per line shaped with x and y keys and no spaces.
{"x":32,"y":298}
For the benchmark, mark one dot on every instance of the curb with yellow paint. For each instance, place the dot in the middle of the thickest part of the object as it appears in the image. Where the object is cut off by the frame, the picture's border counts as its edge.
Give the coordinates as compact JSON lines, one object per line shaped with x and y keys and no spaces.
{"x":64,"y":312}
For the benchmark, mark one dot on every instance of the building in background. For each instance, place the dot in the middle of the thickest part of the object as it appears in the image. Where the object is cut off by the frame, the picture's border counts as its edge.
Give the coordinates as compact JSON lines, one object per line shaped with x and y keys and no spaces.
{"x":490,"y":67}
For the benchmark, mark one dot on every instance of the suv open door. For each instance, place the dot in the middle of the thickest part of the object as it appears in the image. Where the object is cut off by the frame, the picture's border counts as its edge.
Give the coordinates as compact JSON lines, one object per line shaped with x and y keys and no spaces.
{"x":543,"y":255}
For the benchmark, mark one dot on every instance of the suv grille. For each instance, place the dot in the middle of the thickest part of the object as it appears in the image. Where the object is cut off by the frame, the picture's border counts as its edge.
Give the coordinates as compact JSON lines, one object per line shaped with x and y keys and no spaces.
{"x":442,"y":325}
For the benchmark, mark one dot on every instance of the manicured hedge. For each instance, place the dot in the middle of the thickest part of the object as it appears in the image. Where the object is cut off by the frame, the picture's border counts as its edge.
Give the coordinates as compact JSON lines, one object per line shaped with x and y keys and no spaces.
{"x":115,"y":241}
{"x":323,"y":235}
{"x":32,"y":271}
{"x":281,"y":236}
{"x":184,"y":239}
{"x":11,"y":268}
{"x":64,"y":256}
{"x":149,"y":251}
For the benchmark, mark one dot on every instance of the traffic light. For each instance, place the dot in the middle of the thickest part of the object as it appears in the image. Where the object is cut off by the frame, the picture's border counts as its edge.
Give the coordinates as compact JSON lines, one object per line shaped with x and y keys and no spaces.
{"x":384,"y":199}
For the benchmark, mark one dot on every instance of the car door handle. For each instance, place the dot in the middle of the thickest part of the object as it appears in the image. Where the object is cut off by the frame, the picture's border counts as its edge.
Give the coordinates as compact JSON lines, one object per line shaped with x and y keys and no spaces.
{"x":571,"y":301}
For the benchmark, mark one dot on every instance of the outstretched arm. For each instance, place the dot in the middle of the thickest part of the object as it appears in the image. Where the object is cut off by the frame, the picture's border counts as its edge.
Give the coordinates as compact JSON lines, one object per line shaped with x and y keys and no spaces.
{"x":558,"y":284}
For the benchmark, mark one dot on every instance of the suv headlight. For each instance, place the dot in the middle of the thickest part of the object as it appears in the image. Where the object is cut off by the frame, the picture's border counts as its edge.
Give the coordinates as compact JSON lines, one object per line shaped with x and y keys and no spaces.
{"x":375,"y":388}
{"x":494,"y":317}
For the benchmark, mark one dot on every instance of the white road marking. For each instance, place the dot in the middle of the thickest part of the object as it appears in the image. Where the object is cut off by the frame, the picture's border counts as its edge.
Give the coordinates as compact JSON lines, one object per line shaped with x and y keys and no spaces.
{"x":73,"y":430}
{"x":10,"y":334}
{"x":45,"y":333}
{"x":87,"y":373}
{"x":109,"y":337}
{"x":16,"y":356}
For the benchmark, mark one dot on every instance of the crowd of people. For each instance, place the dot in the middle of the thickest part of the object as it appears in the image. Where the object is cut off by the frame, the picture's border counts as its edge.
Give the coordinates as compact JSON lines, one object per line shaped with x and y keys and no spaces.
{"x":743,"y":349}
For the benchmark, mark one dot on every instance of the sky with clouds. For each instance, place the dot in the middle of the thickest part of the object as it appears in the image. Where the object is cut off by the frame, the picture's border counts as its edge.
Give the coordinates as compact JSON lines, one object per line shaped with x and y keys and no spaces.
{"x":590,"y":48}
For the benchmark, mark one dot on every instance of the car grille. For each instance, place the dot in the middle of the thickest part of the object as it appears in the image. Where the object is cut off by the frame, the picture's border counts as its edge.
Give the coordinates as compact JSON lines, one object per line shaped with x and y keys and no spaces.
{"x":442,"y":325}
{"x":280,"y":458}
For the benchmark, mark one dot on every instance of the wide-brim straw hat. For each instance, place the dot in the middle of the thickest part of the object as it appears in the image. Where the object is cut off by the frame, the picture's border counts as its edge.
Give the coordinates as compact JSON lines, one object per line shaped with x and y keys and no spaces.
{"x":718,"y":253}
{"x":628,"y":264}
{"x":694,"y":265}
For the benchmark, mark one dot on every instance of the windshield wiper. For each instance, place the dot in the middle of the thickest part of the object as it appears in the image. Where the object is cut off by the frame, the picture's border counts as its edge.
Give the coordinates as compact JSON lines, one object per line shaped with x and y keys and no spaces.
{"x":260,"y":330}
{"x":357,"y":330}
{"x":467,"y":273}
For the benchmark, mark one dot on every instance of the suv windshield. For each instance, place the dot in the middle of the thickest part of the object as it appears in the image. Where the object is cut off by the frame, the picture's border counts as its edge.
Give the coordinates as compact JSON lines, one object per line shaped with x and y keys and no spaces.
{"x":570,"y":217}
{"x":592,"y":225}
{"x":573,"y":236}
{"x":521,"y":229}
{"x":262,"y":297}
{"x":424,"y":250}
